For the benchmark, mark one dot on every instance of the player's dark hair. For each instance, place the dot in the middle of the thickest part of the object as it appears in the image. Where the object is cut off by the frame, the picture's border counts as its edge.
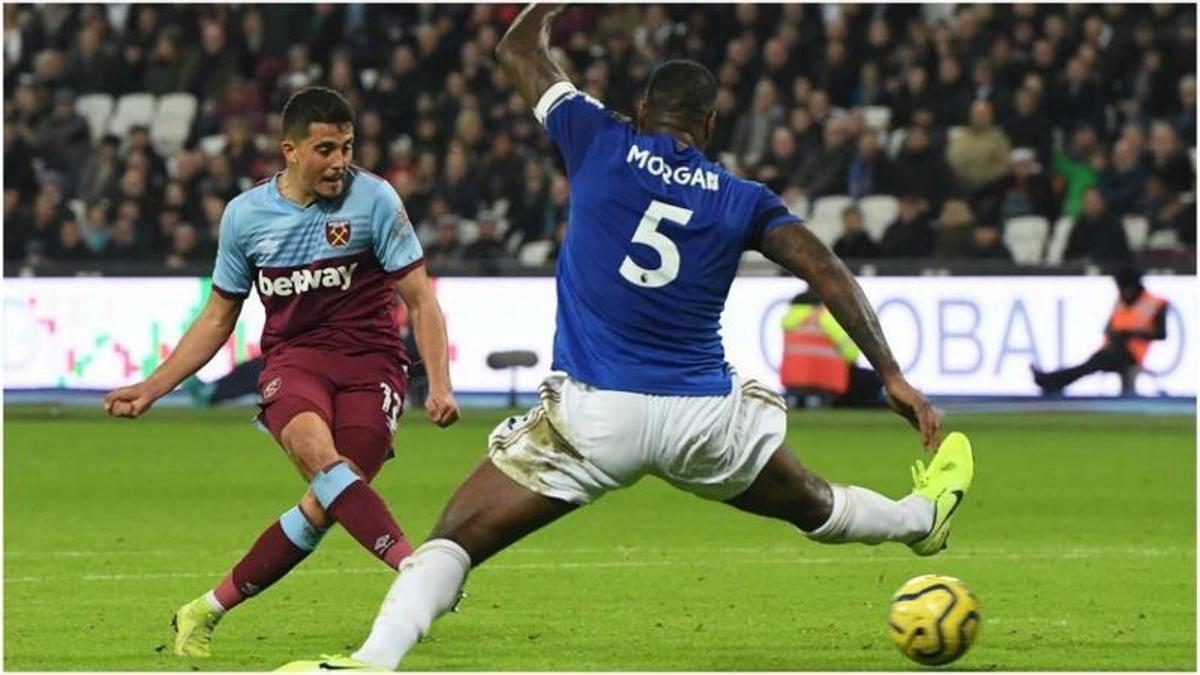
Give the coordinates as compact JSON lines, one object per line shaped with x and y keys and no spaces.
{"x":321,"y":105}
{"x":682,"y":87}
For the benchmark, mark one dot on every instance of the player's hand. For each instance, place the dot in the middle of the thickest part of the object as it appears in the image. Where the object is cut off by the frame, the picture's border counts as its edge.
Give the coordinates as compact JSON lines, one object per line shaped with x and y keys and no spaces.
{"x":129,"y":401}
{"x":912,"y":405}
{"x":441,"y":408}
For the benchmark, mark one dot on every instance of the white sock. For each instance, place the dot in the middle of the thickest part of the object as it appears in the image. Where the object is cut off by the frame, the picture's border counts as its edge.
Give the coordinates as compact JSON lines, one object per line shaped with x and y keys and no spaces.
{"x":428,"y":586}
{"x":211,"y":597}
{"x":860,"y":515}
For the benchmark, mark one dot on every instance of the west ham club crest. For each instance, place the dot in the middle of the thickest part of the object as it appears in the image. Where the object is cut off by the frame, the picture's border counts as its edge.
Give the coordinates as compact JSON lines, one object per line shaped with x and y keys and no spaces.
{"x":337,"y":233}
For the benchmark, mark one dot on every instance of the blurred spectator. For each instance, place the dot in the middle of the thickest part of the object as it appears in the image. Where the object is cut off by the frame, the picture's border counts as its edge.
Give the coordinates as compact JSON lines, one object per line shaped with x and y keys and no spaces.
{"x":1185,"y":118}
{"x":63,"y":136}
{"x":488,"y":250}
{"x":955,"y":239}
{"x":826,"y":172}
{"x":1123,"y":181}
{"x":780,"y":167}
{"x":69,"y":246}
{"x":854,"y":242}
{"x":911,"y":236}
{"x":1029,"y":127}
{"x":1169,"y":161}
{"x":527,"y":214}
{"x":979,"y":155}
{"x":446,"y":248}
{"x":458,"y":183}
{"x":1025,"y":191}
{"x":1075,"y":166}
{"x":920,"y":169}
{"x":989,"y":244}
{"x":1077,"y":99}
{"x":126,"y":240}
{"x":171,"y":65}
{"x":752,"y":132}
{"x":1097,"y":235}
{"x":870,"y":170}
{"x":185,"y":247}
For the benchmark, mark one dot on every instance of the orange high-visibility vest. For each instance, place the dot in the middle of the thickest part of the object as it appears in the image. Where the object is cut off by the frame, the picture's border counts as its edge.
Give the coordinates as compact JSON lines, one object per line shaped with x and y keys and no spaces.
{"x":1137,"y":317}
{"x":811,"y":360}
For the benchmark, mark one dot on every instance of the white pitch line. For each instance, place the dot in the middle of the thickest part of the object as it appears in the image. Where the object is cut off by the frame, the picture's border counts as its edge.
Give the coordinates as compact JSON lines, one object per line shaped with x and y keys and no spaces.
{"x":605,"y":564}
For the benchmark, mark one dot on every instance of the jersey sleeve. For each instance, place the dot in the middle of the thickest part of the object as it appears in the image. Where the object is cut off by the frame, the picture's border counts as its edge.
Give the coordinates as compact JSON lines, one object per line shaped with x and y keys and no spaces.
{"x":768,"y":213}
{"x":573,"y":119}
{"x":231,"y":272}
{"x":395,"y":242}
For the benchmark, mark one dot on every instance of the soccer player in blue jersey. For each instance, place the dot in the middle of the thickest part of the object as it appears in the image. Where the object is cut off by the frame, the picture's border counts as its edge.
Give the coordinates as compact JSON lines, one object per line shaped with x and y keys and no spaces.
{"x":641,"y":385}
{"x":328,"y":247}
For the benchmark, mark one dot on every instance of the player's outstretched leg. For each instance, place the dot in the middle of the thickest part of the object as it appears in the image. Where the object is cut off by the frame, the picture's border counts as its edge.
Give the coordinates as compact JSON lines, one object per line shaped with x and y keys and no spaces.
{"x":836,"y":514}
{"x":276,"y":552}
{"x":487,"y":513}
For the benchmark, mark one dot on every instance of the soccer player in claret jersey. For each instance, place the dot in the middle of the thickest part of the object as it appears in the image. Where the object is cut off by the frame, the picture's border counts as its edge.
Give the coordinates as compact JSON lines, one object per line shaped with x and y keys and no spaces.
{"x":327,"y":246}
{"x":656,"y":233}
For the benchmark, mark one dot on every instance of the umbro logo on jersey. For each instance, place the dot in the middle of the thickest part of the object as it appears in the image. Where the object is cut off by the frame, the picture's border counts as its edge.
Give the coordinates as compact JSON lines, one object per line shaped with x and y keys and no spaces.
{"x":303,"y":281}
{"x":337,"y":233}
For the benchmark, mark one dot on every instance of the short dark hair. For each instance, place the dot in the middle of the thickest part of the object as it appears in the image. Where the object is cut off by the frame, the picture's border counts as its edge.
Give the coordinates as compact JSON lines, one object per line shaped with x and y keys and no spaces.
{"x":321,"y":105}
{"x":682,"y":87}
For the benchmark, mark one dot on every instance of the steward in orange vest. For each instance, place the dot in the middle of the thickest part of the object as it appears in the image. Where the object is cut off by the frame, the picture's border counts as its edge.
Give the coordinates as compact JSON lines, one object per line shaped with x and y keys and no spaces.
{"x":819,"y":357}
{"x":1138,"y":318}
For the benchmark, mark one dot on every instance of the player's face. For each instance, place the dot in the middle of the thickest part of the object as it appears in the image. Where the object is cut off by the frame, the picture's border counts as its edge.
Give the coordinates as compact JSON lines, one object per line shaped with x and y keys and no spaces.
{"x":322,"y":158}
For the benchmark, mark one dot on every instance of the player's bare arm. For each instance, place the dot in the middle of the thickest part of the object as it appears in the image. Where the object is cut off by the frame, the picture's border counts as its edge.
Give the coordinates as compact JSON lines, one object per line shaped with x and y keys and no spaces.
{"x":801,"y":253}
{"x":429,"y":329}
{"x":207,"y":333}
{"x":524,"y":52}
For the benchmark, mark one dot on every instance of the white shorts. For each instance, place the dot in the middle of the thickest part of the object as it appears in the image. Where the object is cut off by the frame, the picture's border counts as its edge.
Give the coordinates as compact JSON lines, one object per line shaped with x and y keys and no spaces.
{"x":581,"y":442}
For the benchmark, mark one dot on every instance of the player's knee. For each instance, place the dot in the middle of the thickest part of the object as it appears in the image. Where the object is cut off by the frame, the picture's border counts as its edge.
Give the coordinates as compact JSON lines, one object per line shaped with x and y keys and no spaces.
{"x":309,"y":444}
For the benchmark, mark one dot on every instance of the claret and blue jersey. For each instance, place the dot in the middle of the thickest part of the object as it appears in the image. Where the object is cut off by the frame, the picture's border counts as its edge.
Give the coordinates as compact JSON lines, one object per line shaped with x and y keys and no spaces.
{"x":655,"y":236}
{"x":324,"y":272}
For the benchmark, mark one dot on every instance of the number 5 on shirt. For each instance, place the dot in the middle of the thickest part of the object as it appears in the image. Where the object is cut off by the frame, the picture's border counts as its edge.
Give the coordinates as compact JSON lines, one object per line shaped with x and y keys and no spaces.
{"x":647,"y":234}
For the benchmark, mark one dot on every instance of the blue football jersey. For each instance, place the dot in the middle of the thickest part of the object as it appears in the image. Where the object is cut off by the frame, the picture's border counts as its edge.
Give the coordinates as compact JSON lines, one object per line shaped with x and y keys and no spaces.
{"x":655,"y":235}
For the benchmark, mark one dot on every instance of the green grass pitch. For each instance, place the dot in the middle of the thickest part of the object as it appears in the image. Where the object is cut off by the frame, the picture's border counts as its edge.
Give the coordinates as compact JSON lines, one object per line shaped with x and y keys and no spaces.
{"x":1078,"y":538}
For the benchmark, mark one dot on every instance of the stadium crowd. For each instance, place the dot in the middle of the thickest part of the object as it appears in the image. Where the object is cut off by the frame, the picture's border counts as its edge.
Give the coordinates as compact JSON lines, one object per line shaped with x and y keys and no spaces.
{"x":968,"y":116}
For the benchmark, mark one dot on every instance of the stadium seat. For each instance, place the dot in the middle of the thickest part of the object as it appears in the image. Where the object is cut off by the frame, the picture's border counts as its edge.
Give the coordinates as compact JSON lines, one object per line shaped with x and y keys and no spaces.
{"x":799,"y":207}
{"x":1059,"y":239}
{"x":468,"y":232}
{"x":1163,"y":240}
{"x":755,"y":264}
{"x":896,"y":142}
{"x":1137,"y":230}
{"x":212,"y":145}
{"x":877,"y":117}
{"x":96,"y":109}
{"x":132,"y":110}
{"x":879,"y":211}
{"x":535,"y":253}
{"x":180,"y":105}
{"x":825,"y":221}
{"x":1025,"y":236}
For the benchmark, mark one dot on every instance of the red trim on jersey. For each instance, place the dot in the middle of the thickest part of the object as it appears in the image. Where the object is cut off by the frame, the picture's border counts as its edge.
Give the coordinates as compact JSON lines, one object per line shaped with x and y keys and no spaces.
{"x":228,"y":295}
{"x":403,"y":271}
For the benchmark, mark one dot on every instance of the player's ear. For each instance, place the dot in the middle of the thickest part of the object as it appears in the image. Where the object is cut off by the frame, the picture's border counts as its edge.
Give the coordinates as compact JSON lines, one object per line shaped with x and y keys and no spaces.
{"x":288,"y":147}
{"x":710,"y":126}
{"x":641,"y":114}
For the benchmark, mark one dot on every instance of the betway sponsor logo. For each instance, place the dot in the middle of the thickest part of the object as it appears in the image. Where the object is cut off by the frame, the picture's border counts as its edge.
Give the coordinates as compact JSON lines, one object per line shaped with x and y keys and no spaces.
{"x":303,"y":281}
{"x":671,"y":175}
